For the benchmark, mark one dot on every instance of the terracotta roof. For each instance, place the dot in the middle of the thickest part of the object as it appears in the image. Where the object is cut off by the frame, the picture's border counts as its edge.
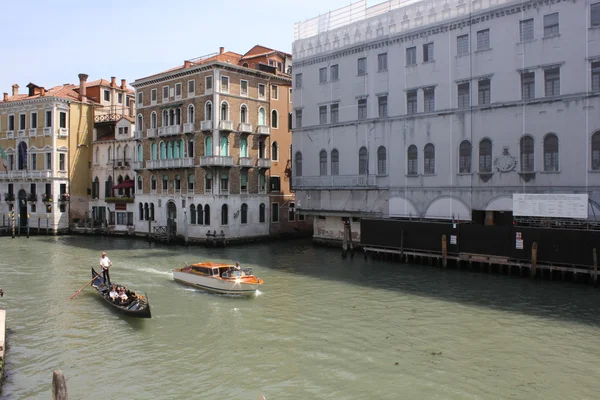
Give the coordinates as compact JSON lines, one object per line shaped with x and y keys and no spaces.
{"x":64,"y":92}
{"x":130,"y":119}
{"x":259,"y":50}
{"x":230,"y":56}
{"x":105,"y":83}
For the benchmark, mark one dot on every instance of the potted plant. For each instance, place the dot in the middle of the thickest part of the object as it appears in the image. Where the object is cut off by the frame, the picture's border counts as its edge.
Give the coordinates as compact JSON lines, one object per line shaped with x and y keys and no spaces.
{"x":9,"y":197}
{"x":64,"y":197}
{"x":32,"y":197}
{"x":47,"y":198}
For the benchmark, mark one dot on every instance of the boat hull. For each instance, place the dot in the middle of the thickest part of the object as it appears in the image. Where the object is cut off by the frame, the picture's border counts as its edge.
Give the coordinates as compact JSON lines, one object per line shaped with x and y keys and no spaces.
{"x":216,"y":285}
{"x":135,"y":309}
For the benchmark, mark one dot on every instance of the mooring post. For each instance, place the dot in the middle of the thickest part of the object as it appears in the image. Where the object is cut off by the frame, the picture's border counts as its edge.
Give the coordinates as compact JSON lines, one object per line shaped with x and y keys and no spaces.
{"x":47,"y":224}
{"x":27,"y":226}
{"x":149,"y":230}
{"x":402,"y":245}
{"x":345,"y":240}
{"x":12,"y":223}
{"x":185,"y":226}
{"x":18,"y":225}
{"x":39,"y":224}
{"x":444,"y":251}
{"x":595,"y":255}
{"x":534,"y":248}
{"x":59,"y":386}
{"x":350,"y":239}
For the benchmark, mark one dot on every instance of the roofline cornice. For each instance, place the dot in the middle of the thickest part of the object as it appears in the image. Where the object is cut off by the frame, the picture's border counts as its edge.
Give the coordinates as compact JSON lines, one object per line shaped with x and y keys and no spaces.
{"x":47,"y":99}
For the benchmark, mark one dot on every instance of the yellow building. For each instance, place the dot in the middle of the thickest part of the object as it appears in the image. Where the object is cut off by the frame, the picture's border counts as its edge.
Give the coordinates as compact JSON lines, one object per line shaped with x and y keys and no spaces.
{"x":46,"y":136}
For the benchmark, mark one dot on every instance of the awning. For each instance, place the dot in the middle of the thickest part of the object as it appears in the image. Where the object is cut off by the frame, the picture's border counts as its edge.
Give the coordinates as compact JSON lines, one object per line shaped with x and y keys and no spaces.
{"x":128,"y":184}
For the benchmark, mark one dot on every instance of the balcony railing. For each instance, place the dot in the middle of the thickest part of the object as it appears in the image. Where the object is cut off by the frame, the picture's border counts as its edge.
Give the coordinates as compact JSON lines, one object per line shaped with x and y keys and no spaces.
{"x":189,"y":127}
{"x":245,"y":162}
{"x":48,"y":131}
{"x":123,"y":163}
{"x":263,"y":130}
{"x":173,"y":130}
{"x":138,"y":135}
{"x":63,"y":132}
{"x":216,"y":161}
{"x":245,"y":127}
{"x":9,"y":197}
{"x":151,"y":133}
{"x":32,"y":198}
{"x":226,"y":125}
{"x":33,"y":132}
{"x":137,"y":165}
{"x":206,"y":125}
{"x":263,"y":163}
{"x":10,"y":134}
{"x":22,"y":133}
{"x":170,"y":163}
{"x":334,"y":181}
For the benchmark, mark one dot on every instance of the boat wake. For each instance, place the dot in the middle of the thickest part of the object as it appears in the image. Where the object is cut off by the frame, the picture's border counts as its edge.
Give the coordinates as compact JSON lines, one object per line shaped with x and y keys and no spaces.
{"x":156,"y":272}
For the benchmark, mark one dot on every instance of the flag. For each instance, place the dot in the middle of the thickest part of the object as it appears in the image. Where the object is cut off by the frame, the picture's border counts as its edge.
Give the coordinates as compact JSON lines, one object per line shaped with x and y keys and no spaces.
{"x":23,"y":152}
{"x":4,"y":158}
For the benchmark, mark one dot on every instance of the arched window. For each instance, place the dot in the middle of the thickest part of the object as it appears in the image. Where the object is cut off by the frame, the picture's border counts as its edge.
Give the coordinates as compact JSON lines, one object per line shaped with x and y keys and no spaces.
{"x":526,"y":149}
{"x":146,"y":212}
{"x":262,"y":182}
{"x":245,"y":65}
{"x":322,"y":163}
{"x":153,"y":123}
{"x":153,"y":183}
{"x":244,"y":214}
{"x":224,"y":146}
{"x":224,"y":111}
{"x":412,"y":156}
{"x":171,"y":117}
{"x":464,"y":157}
{"x":208,"y":147}
{"x":151,"y":211}
{"x":551,"y":153}
{"x":109,"y":153}
{"x":96,"y":188}
{"x":165,"y":118}
{"x":208,"y":180}
{"x":153,"y":151}
{"x":596,"y":151}
{"x":224,"y":214}
{"x":200,"y":213}
{"x":335,"y":162}
{"x":363,"y":161}
{"x":140,"y":123}
{"x":190,"y":149}
{"x":165,"y":183}
{"x":170,"y":150}
{"x":274,"y":119}
{"x":119,"y":181}
{"x":243,"y":147}
{"x":261,"y":212}
{"x":381,"y":161}
{"x":262,"y":116}
{"x":108,"y":184}
{"x":243,"y":114}
{"x":191,"y":117}
{"x":192,"y":214}
{"x":485,"y":156}
{"x":261,"y":149}
{"x":208,"y":111}
{"x":125,"y":153}
{"x":176,"y":149}
{"x":191,"y":179}
{"x":163,"y":150}
{"x":298,"y":164}
{"x":140,"y":153}
{"x":244,"y":182}
{"x":141,"y":212}
{"x":178,"y":116}
{"x":429,"y":159}
{"x":274,"y":151}
{"x":140,"y":184}
{"x":118,"y":153}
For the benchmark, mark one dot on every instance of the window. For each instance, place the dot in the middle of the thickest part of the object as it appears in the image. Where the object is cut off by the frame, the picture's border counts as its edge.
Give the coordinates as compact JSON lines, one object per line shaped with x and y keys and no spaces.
{"x":595,"y":15}
{"x":322,"y":115}
{"x":483,"y":40}
{"x":298,"y":164}
{"x":274,"y":151}
{"x":323,"y":75}
{"x":527,"y":150}
{"x":411,"y":56}
{"x":206,"y":215}
{"x":165,"y":93}
{"x":243,"y":114}
{"x":464,"y":157}
{"x":261,"y":213}
{"x":244,"y":213}
{"x":244,"y":182}
{"x":335,"y":162}
{"x":106,"y":95}
{"x":427,"y":52}
{"x":298,"y":81}
{"x":34,"y":161}
{"x":275,"y":92}
{"x":551,"y":153}
{"x":224,"y":111}
{"x":362,"y":66}
{"x":243,"y":88}
{"x":275,"y":184}
{"x":262,"y":116}
{"x":224,"y":214}
{"x":153,"y":123}
{"x":208,"y":181}
{"x":191,"y":115}
{"x":334,"y":110}
{"x":274,"y":213}
{"x":243,"y":147}
{"x":485,"y":156}
{"x":551,"y":25}
{"x":484,"y":91}
{"x":552,"y":81}
{"x":140,"y":98}
{"x":262,"y":184}
{"x":413,"y":158}
{"x":153,"y":95}
{"x":224,"y":146}
{"x":120,"y":98}
{"x":323,"y":163}
{"x":208,"y":111}
{"x":224,"y":182}
{"x":261,"y":91}
{"x":363,"y":161}
{"x":225,"y":84}
{"x":48,"y":119}
{"x":596,"y":150}
{"x":22,"y":119}
{"x":165,"y":182}
{"x":464,"y":100}
{"x":11,"y":122}
{"x":208,"y":84}
{"x":381,"y":161}
{"x":192,"y":213}
{"x":462,"y":45}
{"x":411,"y":102}
{"x":382,"y":105}
{"x":429,"y":99}
{"x":429,"y":159}
{"x":596,"y":76}
{"x":153,"y":183}
{"x":334,"y":72}
{"x":62,"y":120}
{"x":528,"y":85}
{"x":526,"y":30}
{"x":291,"y":212}
{"x":298,"y":118}
{"x":274,"y":119}
{"x":178,"y":183}
{"x":382,"y":62}
{"x":362,"y":109}
{"x":61,"y":162}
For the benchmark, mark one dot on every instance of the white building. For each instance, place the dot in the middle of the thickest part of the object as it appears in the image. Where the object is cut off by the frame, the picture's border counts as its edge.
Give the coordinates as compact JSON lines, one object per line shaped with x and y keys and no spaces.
{"x":444,"y":109}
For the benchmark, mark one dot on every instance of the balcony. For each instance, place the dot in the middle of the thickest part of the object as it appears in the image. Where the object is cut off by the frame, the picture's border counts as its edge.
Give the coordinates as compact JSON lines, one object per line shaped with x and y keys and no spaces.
{"x":245,"y":127}
{"x":174,"y":130}
{"x":226,"y":126}
{"x":187,"y":162}
{"x":47,"y":198}
{"x":206,"y":125}
{"x":9,"y":197}
{"x":33,"y":132}
{"x":190,"y":127}
{"x":162,"y":131}
{"x":136,"y":165}
{"x":12,"y":175}
{"x":62,"y":174}
{"x":64,"y":197}
{"x":22,"y":133}
{"x":151,"y":133}
{"x":263,"y":163}
{"x":10,"y":134}
{"x":246,"y":162}
{"x":47,"y":131}
{"x":123,"y":163}
{"x":32,"y":198}
{"x":334,"y":182}
{"x":63,"y":132}
{"x":39,"y":174}
{"x":216,"y":161}
{"x":137,"y":135}
{"x":263,"y":130}
{"x":120,"y":199}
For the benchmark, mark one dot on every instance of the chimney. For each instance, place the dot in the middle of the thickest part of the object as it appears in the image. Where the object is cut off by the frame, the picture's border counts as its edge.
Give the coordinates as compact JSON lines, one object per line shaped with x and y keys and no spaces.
{"x":221,"y":50}
{"x":123,"y":84}
{"x":82,"y":88}
{"x":187,"y":64}
{"x":15,"y":89}
{"x":131,"y":110}
{"x":42,"y":91}
{"x":113,"y":81}
{"x":5,"y":96}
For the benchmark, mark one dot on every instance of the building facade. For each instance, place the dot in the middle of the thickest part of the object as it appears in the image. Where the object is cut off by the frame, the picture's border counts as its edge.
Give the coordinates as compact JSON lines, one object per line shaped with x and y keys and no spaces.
{"x":443,"y":110}
{"x":46,"y":136}
{"x":205,"y":136}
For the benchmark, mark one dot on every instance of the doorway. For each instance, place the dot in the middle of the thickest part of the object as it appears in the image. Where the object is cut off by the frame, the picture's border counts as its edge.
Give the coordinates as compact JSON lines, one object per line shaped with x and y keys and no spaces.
{"x":22,"y":198}
{"x":172,"y":217}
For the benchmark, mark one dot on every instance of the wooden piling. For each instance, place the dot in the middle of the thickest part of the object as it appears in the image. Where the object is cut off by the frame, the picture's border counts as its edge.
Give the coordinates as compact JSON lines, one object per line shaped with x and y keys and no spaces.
{"x":534,"y":248}
{"x":595,"y":276}
{"x":59,"y":386}
{"x":444,"y":252}
{"x":149,"y":231}
{"x":402,"y":245}
{"x":350,"y":244}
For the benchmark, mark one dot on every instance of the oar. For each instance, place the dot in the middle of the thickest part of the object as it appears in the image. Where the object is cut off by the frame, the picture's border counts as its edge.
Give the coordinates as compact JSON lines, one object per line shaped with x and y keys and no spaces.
{"x":86,"y":285}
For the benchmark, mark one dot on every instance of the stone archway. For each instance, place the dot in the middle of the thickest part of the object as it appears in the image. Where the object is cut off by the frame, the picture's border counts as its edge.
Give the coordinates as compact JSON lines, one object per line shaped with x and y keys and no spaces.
{"x":172,"y":217}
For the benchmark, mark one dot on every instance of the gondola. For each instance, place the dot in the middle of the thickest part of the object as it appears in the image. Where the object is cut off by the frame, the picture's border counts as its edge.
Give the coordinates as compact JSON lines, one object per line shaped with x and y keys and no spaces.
{"x":138,"y":307}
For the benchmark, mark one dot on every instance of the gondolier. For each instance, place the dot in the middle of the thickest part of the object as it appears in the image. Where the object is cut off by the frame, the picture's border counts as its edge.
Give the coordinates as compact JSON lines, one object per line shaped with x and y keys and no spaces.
{"x":105,"y":264}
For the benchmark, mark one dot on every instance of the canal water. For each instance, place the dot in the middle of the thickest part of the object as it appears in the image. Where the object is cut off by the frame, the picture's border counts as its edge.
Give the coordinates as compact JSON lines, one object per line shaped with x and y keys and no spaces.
{"x":320,"y":328}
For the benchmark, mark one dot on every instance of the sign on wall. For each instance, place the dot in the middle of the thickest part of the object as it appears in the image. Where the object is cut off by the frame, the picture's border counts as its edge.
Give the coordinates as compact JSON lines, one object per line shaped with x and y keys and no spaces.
{"x":550,"y":205}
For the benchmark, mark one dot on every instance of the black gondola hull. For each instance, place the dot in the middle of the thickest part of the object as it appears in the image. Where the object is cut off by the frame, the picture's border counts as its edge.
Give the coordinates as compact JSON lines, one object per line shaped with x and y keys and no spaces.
{"x":137,"y":309}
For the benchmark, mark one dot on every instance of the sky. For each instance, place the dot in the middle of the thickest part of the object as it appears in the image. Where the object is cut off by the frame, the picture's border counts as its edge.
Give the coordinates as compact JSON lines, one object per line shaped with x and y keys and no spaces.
{"x":50,"y":42}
